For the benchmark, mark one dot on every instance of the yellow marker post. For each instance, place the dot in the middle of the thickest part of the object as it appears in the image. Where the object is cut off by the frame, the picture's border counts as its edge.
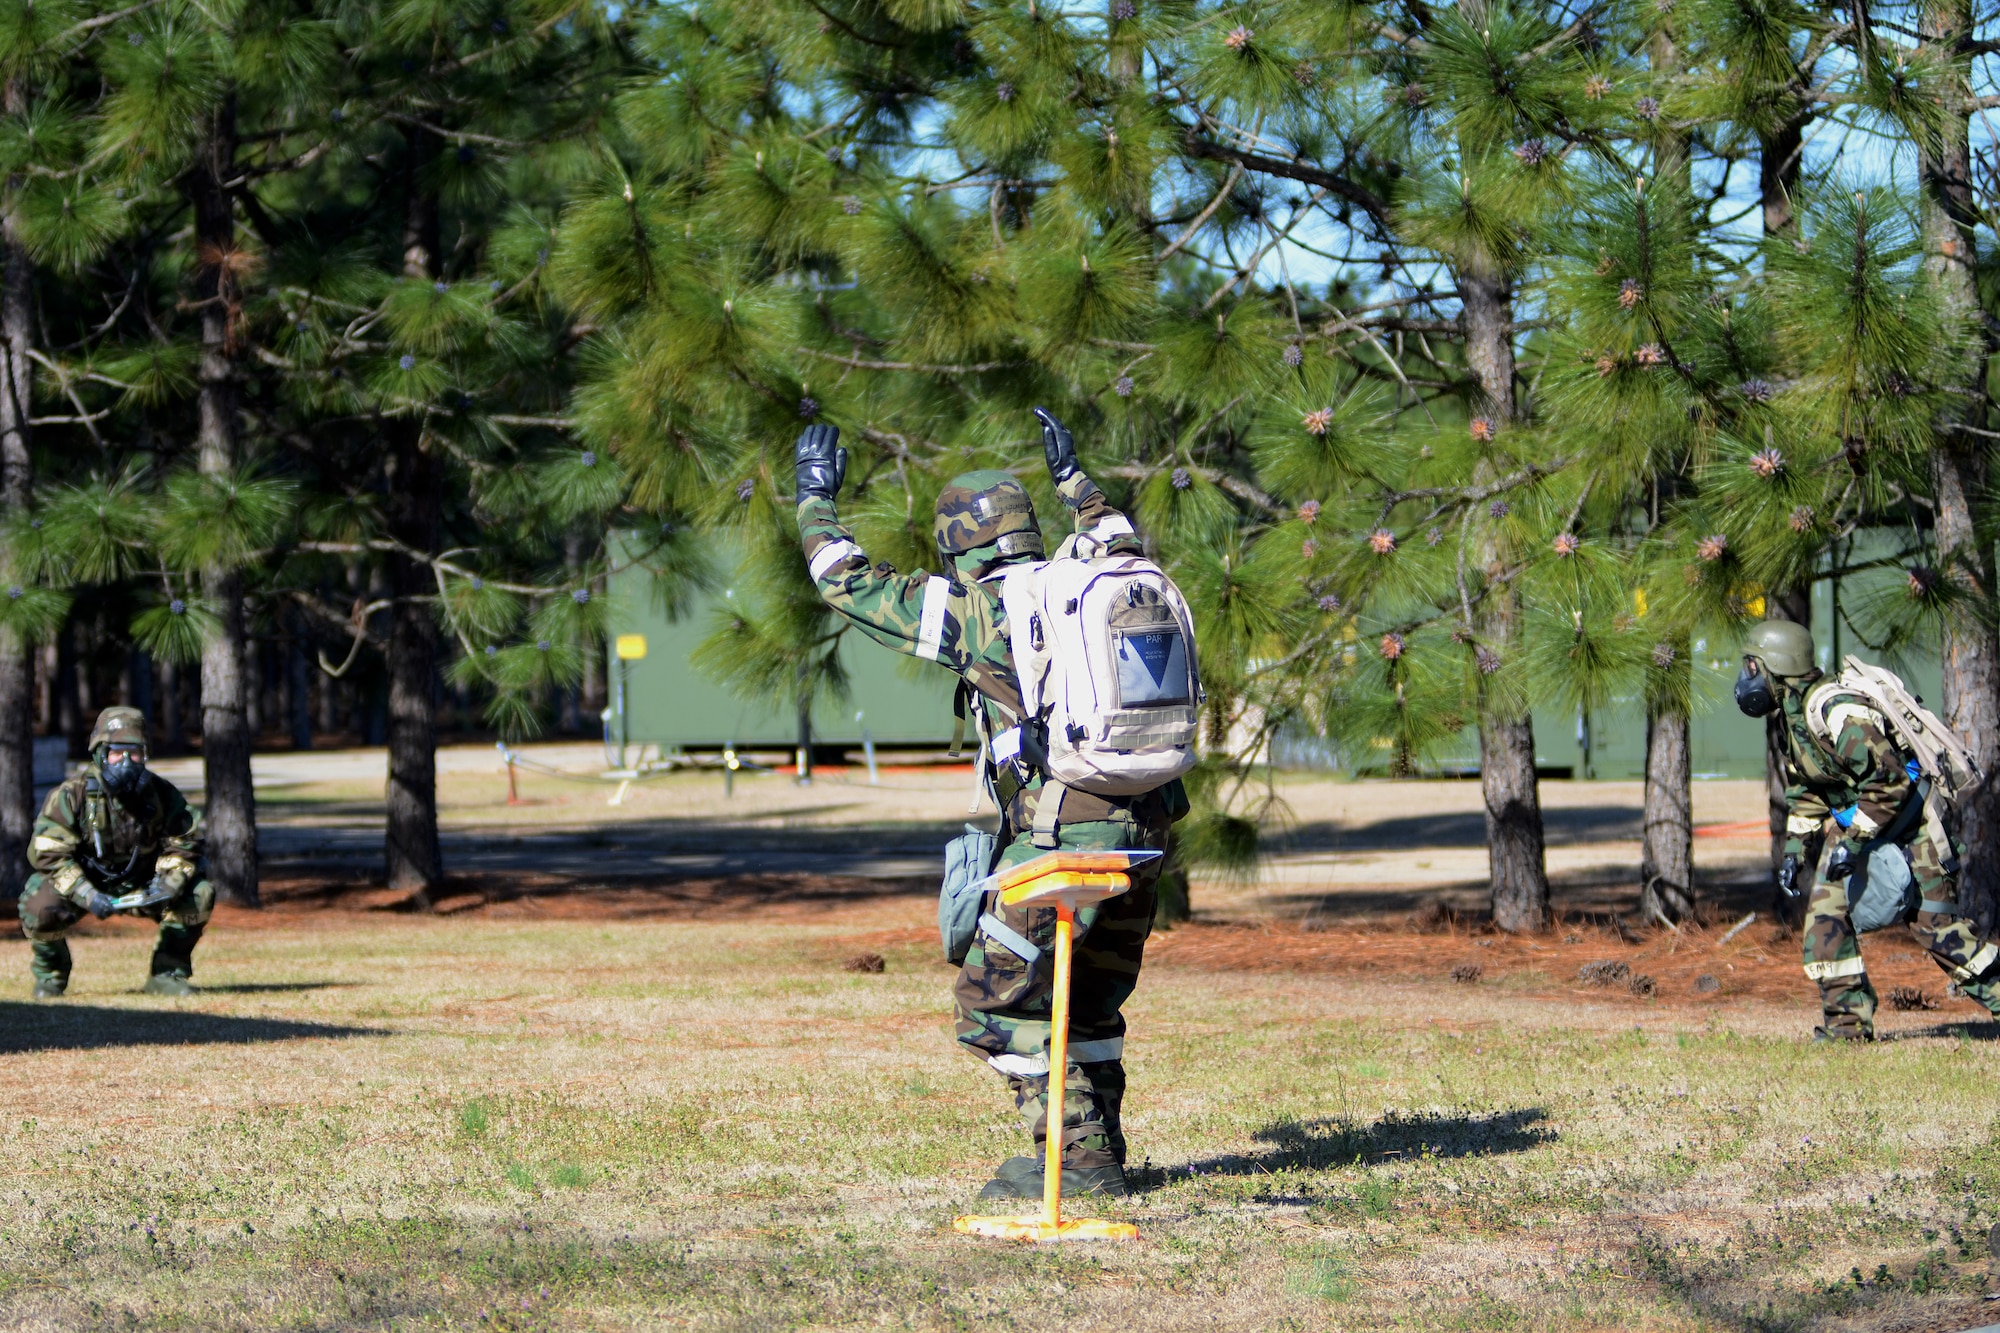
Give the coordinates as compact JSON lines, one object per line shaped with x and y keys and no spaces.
{"x":1065,"y":881}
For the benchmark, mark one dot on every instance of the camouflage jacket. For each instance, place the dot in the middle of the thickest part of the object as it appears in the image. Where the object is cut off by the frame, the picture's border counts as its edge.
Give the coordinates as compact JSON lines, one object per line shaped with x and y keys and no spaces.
{"x":85,"y":838}
{"x":962,"y":625}
{"x":1862,"y":772}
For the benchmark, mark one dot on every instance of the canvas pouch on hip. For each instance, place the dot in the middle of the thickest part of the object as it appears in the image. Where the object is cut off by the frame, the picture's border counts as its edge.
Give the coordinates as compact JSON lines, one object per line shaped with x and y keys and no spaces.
{"x":1882,"y":891}
{"x":968,"y":859}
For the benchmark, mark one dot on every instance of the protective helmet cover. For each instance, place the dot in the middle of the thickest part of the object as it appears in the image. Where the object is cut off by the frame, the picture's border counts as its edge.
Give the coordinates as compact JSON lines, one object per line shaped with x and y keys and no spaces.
{"x":1785,"y":647}
{"x":119,"y":726}
{"x":985,"y":520}
{"x":121,"y":729}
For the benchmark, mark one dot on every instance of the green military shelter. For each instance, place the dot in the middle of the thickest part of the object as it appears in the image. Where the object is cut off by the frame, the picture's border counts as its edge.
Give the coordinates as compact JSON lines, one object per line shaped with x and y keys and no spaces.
{"x":902,"y":703}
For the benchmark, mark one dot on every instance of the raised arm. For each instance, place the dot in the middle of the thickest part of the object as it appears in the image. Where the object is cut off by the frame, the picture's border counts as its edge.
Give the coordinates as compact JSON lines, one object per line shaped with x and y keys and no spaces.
{"x":919,"y":614}
{"x":1092,"y":512}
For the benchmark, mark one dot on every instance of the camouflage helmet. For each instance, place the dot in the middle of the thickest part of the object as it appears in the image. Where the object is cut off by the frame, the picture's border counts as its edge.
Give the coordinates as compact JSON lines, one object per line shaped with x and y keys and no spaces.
{"x":984,"y":520}
{"x":119,"y":726}
{"x":1785,"y":647}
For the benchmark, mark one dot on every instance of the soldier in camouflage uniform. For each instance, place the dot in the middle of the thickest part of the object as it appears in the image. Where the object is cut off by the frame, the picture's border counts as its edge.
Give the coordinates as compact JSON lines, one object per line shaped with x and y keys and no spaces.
{"x":113,"y":828}
{"x":1863,"y":785}
{"x":985,"y":523}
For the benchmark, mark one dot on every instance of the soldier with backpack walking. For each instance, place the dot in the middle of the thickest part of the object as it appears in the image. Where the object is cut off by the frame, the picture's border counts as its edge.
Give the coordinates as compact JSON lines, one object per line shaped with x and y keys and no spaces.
{"x":1864,"y":756}
{"x":986,"y":532}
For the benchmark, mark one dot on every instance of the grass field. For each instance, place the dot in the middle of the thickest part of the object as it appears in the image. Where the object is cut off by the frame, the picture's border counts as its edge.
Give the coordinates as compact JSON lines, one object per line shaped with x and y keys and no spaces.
{"x":384,"y":1122}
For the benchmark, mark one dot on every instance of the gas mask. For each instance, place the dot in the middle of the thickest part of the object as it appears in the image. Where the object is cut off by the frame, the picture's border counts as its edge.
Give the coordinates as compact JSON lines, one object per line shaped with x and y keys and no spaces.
{"x":1754,"y":694}
{"x":123,"y":767}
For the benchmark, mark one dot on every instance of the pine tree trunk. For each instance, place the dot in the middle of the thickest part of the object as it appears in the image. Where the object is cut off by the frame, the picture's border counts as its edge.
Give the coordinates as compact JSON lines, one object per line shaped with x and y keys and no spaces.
{"x":229,"y":806}
{"x":1780,"y":156}
{"x":17,"y":481}
{"x":68,"y":706}
{"x":1666,"y":868}
{"x":1519,"y":874}
{"x":411,"y":852}
{"x":414,"y":861}
{"x":298,"y":667}
{"x":1666,"y":863}
{"x":1971,"y":647}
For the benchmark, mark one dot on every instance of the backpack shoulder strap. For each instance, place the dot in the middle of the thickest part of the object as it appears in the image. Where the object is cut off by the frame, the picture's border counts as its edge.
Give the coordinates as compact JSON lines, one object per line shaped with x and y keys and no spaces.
{"x":1818,"y":700}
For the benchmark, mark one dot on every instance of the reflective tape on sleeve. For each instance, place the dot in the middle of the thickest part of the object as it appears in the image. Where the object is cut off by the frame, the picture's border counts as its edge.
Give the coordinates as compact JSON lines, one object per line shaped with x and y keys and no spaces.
{"x":830,"y":555}
{"x":1835,"y":968}
{"x":1802,"y":824}
{"x":1979,"y":964}
{"x":930,"y":622}
{"x":1862,"y":823}
{"x":1838,"y":716}
{"x":1117,"y":525}
{"x":1007,"y":745}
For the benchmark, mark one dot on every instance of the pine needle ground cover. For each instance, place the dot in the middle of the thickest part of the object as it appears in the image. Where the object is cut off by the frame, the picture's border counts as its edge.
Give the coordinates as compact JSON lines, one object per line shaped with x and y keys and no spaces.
{"x":384,"y":1122}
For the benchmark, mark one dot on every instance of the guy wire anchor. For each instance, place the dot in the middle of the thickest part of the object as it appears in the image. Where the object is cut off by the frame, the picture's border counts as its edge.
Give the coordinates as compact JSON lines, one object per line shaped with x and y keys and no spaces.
{"x":1065,"y":881}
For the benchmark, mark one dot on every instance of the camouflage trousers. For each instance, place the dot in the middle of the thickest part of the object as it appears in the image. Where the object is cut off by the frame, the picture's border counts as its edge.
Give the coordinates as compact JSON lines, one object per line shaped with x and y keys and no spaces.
{"x":47,"y":916}
{"x":1833,"y":950}
{"x":1003,"y":1000}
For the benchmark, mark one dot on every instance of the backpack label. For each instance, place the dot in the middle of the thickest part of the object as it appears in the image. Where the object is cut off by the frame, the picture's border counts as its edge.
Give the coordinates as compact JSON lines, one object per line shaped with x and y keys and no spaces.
{"x":1152,"y":668}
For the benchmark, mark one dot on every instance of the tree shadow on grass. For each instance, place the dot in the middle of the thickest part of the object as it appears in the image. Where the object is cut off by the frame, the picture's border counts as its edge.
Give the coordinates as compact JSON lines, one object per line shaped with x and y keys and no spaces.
{"x":275,"y":987}
{"x":1316,"y":1145}
{"x":61,"y":1026}
{"x":1983,"y":1029}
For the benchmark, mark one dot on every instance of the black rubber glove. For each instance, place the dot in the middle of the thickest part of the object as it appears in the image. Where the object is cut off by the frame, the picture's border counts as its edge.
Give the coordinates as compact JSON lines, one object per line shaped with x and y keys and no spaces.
{"x":98,"y":904}
{"x":1788,"y":877}
{"x":1058,"y":448}
{"x":1841,"y":864}
{"x":821,"y":464}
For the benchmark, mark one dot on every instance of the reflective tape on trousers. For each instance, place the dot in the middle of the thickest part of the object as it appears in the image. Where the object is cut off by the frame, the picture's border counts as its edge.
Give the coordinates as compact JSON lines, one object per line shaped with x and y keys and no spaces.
{"x":1080,"y":1053}
{"x":1835,"y":968}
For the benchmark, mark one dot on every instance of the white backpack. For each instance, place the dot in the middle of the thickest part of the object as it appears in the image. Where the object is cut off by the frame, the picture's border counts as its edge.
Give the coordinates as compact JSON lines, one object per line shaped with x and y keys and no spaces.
{"x":1940,"y":756}
{"x":1104,"y":648}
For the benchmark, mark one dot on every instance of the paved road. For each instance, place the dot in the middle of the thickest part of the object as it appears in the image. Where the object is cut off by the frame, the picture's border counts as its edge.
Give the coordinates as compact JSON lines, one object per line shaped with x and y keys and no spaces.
{"x":626,"y":849}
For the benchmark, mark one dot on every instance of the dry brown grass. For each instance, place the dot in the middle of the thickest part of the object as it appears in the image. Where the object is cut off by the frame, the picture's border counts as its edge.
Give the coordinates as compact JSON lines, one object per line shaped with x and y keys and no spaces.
{"x":490,"y":1121}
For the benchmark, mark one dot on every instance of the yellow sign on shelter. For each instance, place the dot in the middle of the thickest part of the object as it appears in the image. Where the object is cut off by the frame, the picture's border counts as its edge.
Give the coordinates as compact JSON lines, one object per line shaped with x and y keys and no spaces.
{"x":631,"y":647}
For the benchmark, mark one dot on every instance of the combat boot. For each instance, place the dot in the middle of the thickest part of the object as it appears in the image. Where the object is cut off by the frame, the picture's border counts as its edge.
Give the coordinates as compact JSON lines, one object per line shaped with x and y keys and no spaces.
{"x":1077,"y":1181}
{"x":173,"y":961}
{"x":1011,"y":1177}
{"x":1822,"y":1035}
{"x":50,"y":965}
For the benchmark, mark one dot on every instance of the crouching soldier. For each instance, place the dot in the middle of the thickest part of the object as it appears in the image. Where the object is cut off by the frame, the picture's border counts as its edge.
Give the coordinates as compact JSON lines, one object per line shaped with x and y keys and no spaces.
{"x":985,"y":525}
{"x":1860,"y":807}
{"x":114,"y":828}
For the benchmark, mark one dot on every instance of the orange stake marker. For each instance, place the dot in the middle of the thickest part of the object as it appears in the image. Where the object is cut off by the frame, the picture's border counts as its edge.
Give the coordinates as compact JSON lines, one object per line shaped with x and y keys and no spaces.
{"x":1065,"y":881}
